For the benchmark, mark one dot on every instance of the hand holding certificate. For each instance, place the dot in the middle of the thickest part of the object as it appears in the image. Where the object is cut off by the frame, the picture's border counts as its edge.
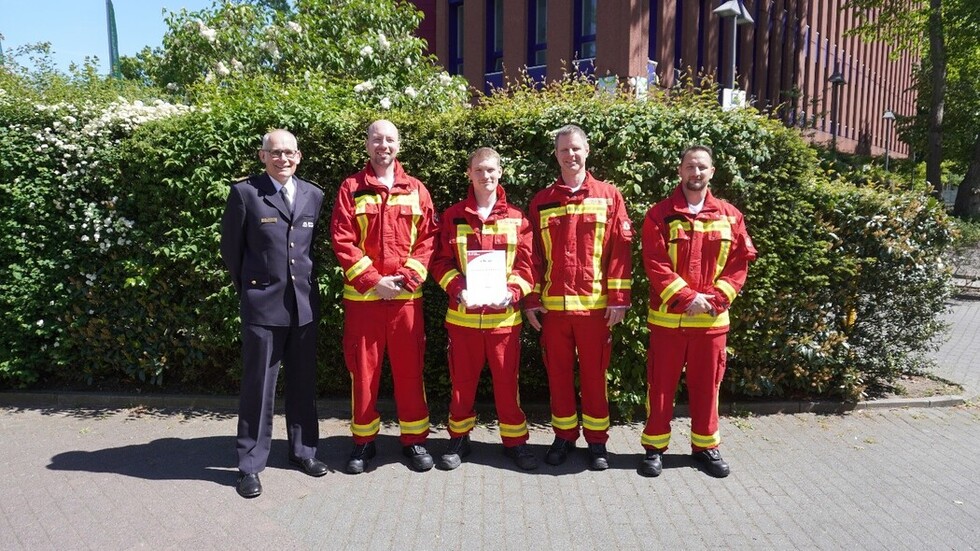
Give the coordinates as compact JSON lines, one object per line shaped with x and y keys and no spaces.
{"x":486,"y":278}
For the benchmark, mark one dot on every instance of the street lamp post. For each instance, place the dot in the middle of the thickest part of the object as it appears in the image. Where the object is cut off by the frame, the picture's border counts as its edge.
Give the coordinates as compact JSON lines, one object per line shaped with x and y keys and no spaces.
{"x":889,"y":117}
{"x":836,"y":80}
{"x":736,"y":11}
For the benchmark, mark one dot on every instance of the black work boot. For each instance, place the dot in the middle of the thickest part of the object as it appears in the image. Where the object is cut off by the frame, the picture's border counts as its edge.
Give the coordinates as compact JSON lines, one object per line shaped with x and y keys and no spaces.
{"x":523,"y":456}
{"x":359,"y":457}
{"x":421,"y":460}
{"x":558,"y":452}
{"x":457,"y":449}
{"x":652,"y":463}
{"x":712,"y":463}
{"x":598,"y":457}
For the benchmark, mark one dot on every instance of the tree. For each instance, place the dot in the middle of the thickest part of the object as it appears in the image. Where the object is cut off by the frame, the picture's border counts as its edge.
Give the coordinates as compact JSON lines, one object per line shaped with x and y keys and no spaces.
{"x":946,"y":33}
{"x":367,"y":43}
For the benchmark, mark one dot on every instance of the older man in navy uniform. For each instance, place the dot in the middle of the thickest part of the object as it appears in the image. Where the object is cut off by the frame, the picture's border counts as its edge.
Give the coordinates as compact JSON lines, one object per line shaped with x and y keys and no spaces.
{"x":267,"y":235}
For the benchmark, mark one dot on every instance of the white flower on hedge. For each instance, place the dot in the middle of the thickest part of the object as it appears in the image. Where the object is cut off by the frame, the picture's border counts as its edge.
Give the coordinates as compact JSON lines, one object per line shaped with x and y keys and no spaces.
{"x":237,"y":66}
{"x":295,"y":27}
{"x":84,"y":238}
{"x":208,"y":33}
{"x":385,"y":103}
{"x":408,"y":62}
{"x":365,"y":86}
{"x":383,"y":41}
{"x":222,"y":69}
{"x":411,"y":92}
{"x":367,"y":51}
{"x":40,"y":323}
{"x":171,"y":86}
{"x":445,"y":79}
{"x":209,"y":77}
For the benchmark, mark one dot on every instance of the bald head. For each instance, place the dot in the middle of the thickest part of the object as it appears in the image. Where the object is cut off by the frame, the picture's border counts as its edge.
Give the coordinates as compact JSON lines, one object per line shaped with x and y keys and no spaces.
{"x":382,"y":145}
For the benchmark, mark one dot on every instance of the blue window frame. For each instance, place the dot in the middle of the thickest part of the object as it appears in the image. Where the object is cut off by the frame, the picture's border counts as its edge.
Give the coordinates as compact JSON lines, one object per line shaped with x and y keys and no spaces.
{"x":456,"y":37}
{"x":585,"y":29}
{"x":653,"y":43}
{"x":537,"y":39}
{"x":494,"y":76}
{"x":495,"y":36}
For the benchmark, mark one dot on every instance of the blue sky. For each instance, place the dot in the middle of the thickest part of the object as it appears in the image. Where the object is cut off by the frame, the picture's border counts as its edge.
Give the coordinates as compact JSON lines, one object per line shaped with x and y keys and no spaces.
{"x":77,"y":28}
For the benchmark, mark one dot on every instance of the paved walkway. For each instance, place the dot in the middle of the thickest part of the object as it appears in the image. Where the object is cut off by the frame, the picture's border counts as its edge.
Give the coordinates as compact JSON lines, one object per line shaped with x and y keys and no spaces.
{"x":124,"y":478}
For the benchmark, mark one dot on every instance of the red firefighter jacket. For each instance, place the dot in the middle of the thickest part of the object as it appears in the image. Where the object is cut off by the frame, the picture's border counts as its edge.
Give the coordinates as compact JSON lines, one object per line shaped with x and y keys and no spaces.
{"x":461,"y":230}
{"x":377,"y":232}
{"x":685,"y":254}
{"x":582,"y":257}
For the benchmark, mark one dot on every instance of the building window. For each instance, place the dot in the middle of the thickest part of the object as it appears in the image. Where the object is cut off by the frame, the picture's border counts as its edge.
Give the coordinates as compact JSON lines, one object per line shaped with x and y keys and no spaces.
{"x":652,"y":51}
{"x":537,"y":43}
{"x":456,"y":37}
{"x":585,"y":28}
{"x":495,"y":36}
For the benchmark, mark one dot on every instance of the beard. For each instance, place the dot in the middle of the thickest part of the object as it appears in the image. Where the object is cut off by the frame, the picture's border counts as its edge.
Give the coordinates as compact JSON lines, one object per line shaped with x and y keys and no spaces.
{"x":695,"y":185}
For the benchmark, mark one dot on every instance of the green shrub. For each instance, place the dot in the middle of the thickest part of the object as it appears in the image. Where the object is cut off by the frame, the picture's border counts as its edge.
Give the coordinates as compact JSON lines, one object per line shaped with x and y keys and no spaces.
{"x":844,"y":296}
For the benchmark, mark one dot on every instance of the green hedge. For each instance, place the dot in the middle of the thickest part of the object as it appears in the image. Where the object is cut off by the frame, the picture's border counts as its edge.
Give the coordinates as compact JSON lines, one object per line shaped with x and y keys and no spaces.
{"x":844,"y":296}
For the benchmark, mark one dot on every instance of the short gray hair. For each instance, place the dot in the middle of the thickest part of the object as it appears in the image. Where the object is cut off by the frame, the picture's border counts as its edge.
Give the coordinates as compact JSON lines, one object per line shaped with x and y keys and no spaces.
{"x":570,"y":130}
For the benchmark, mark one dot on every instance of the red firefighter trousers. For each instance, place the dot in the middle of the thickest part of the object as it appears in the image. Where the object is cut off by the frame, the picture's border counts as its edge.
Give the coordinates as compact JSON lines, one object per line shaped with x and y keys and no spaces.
{"x":561,"y":336}
{"x":704,"y":356}
{"x":469,"y":350}
{"x":370,"y":328}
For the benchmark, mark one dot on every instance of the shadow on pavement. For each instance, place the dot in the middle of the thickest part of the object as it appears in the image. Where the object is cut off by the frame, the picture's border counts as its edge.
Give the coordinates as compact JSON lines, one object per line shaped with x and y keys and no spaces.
{"x":208,"y":458}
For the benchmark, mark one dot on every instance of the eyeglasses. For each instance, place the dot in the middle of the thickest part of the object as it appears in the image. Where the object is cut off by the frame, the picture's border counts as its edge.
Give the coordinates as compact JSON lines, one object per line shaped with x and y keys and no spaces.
{"x":287,"y":153}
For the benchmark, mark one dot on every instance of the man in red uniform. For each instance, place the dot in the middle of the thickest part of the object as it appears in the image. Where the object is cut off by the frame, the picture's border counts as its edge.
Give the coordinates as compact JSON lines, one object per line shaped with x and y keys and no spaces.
{"x":383,"y":234}
{"x":696,"y":253}
{"x":484,"y":324}
{"x":582,"y":268}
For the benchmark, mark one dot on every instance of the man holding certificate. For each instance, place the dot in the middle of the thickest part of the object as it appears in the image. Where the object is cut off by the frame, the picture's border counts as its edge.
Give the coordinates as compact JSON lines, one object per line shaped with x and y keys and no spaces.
{"x":483,"y":261}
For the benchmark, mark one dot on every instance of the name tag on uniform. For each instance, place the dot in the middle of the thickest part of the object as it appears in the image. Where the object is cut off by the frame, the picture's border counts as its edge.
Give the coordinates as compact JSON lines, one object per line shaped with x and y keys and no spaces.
{"x":272,"y":220}
{"x":307,"y":224}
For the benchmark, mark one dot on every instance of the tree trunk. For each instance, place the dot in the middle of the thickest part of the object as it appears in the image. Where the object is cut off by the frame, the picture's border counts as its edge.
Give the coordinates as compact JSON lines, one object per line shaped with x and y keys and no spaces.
{"x":937,"y":101}
{"x":968,"y":195}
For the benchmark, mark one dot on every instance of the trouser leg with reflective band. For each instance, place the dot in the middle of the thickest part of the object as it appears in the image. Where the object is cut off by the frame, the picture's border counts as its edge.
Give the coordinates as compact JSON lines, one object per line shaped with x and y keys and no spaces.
{"x":406,"y":353}
{"x":704,"y":356}
{"x":469,"y":350}
{"x":370,"y":328}
{"x":561,"y":336}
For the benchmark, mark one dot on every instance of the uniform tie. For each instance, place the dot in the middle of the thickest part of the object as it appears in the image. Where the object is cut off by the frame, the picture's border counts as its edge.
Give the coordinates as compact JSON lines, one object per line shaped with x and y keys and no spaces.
{"x":287,"y":196}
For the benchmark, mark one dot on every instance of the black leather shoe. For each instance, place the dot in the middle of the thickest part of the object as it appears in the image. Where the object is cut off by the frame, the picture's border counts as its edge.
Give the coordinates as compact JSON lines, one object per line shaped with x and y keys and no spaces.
{"x":712,"y":463}
{"x":523,"y":456}
{"x":598,"y":457}
{"x":421,"y":460}
{"x":558,"y":452}
{"x":249,"y":485}
{"x":652,"y":464}
{"x":457,"y":449}
{"x":310,"y":465}
{"x":359,"y":457}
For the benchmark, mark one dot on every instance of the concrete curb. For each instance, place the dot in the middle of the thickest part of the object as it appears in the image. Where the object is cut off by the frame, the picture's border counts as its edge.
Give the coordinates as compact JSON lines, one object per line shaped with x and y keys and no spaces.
{"x":341,"y":408}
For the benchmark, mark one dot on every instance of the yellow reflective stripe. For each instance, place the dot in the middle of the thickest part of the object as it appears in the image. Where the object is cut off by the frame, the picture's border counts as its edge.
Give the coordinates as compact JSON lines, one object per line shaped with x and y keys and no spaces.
{"x":361,"y":202}
{"x":595,"y":423}
{"x":672,"y":289}
{"x":358,"y":268}
{"x":448,"y":278}
{"x":705,"y":440}
{"x":673,"y":321}
{"x":508,"y":318}
{"x":409,"y":200}
{"x":723,"y":227}
{"x":520,"y":282}
{"x":413,"y":264}
{"x":572,"y":302}
{"x":463,"y":425}
{"x":727,"y":288}
{"x":369,"y":429}
{"x":350,"y":293}
{"x":621,"y":284}
{"x":513,"y":431}
{"x":414,"y":427}
{"x":659,"y":441}
{"x":726,"y":247}
{"x":565,"y":423}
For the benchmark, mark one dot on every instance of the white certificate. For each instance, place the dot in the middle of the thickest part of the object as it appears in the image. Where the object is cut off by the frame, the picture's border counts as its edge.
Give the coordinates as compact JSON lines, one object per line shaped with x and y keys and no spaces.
{"x":486,"y":277}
